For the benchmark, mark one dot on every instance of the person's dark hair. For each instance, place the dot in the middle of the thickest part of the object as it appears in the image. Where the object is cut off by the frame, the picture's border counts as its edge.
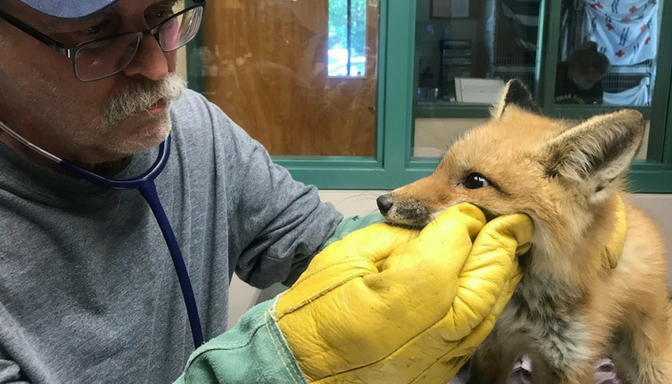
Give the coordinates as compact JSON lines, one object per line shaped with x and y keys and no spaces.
{"x":587,"y":60}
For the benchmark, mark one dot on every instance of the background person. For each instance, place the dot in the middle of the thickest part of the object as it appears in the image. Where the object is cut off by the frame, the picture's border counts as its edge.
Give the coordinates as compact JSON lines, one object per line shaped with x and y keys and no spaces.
{"x":579,"y":79}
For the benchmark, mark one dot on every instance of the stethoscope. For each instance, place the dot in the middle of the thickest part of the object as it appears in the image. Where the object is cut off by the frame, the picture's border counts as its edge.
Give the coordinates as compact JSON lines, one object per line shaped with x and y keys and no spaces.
{"x":144,"y":183}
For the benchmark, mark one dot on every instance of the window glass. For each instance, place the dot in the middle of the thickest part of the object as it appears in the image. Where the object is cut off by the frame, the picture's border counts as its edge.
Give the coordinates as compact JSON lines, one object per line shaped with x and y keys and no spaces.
{"x":347,"y":38}
{"x":608,"y":52}
{"x":466,"y":50}
{"x":267,"y":64}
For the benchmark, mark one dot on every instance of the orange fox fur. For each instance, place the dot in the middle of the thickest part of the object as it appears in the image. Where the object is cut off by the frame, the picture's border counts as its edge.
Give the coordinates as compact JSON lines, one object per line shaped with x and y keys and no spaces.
{"x":569,"y":309}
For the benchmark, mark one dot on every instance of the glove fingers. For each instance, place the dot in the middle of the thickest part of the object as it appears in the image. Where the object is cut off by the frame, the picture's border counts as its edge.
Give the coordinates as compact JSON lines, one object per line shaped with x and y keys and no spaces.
{"x":422,"y":293}
{"x":360,"y":253}
{"x":371,"y":244}
{"x":486,"y":283}
{"x":455,"y":355}
{"x":491,"y":266}
{"x":357,"y":254}
{"x":422,"y":274}
{"x":415,"y":288}
{"x":444,"y":244}
{"x":481,"y":331}
{"x":443,"y":227}
{"x":444,"y":239}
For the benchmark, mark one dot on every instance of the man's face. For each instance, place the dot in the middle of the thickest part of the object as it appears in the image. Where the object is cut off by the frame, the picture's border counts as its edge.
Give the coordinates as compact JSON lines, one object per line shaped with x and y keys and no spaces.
{"x":87,"y":122}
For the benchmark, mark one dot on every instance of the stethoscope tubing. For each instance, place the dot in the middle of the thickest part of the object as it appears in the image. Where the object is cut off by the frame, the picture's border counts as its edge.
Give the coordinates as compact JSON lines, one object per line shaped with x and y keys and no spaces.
{"x":146,"y":185}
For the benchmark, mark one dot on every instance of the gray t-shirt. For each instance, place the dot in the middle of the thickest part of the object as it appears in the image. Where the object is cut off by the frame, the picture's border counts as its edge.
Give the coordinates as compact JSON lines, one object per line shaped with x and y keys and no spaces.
{"x":88,"y":292}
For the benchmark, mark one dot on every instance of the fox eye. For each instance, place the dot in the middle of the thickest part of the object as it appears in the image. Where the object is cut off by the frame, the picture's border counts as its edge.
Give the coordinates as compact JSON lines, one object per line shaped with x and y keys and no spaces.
{"x":475,"y":181}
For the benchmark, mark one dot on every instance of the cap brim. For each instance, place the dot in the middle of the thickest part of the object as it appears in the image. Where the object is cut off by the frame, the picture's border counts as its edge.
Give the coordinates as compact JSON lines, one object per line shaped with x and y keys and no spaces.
{"x":68,"y":9}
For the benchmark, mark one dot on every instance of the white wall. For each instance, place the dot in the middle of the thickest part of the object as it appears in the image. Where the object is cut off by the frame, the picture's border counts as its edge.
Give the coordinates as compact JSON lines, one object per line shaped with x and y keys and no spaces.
{"x":659,"y":208}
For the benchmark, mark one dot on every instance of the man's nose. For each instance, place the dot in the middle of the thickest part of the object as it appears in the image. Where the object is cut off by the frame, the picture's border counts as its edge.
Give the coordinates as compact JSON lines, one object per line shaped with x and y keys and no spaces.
{"x":150,"y":60}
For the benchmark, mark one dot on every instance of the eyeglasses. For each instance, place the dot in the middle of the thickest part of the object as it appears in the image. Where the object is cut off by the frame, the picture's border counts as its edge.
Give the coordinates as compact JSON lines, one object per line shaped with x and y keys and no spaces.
{"x":107,"y":56}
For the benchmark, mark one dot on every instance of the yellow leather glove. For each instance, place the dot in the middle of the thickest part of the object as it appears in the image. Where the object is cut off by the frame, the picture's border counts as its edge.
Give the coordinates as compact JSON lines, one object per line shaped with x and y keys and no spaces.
{"x":393,"y":305}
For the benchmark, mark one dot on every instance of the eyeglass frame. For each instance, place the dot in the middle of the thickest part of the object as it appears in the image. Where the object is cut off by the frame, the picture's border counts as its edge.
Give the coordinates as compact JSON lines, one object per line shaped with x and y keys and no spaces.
{"x":71,"y":52}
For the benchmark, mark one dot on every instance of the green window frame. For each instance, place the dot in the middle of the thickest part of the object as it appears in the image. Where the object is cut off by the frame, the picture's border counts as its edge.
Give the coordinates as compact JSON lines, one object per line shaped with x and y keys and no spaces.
{"x":393,"y":165}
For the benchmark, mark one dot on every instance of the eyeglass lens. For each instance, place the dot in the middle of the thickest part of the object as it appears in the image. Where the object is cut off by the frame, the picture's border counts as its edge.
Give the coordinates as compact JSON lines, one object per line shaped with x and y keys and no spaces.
{"x":102,"y":58}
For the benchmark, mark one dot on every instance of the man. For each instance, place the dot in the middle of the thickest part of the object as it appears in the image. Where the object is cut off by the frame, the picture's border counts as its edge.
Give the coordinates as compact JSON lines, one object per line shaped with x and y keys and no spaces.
{"x":87,"y":290}
{"x":579,"y":79}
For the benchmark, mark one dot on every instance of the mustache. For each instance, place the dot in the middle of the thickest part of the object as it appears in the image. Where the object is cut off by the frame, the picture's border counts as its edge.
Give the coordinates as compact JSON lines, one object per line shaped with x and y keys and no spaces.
{"x":140,"y":96}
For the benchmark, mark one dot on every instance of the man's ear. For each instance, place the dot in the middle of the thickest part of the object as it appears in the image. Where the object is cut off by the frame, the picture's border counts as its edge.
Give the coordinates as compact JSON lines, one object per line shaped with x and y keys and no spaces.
{"x":593,"y":156}
{"x":515,"y":93}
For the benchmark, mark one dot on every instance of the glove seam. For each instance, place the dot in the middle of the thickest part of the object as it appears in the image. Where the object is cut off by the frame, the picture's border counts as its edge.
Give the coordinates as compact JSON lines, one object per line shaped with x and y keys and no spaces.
{"x":320,"y":271}
{"x":302,"y":303}
{"x":278,"y":340}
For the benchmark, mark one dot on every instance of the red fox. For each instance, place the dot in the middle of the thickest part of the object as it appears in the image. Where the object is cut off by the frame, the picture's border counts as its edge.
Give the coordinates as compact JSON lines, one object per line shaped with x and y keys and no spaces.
{"x":594,"y":280}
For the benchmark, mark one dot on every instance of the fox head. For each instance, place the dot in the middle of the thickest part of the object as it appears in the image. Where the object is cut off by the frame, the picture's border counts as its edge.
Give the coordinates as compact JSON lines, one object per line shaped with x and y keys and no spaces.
{"x":563,"y":176}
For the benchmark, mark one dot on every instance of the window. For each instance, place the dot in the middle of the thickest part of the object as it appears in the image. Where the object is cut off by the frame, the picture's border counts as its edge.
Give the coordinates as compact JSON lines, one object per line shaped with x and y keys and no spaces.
{"x":579,"y":57}
{"x":466,"y":57}
{"x":347,"y":38}
{"x":418,"y":56}
{"x":269,"y":66}
{"x":608,"y":52}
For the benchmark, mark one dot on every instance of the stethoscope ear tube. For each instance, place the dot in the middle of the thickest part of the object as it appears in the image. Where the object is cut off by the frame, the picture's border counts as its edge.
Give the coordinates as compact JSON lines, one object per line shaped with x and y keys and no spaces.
{"x":147,"y":188}
{"x":132,"y":183}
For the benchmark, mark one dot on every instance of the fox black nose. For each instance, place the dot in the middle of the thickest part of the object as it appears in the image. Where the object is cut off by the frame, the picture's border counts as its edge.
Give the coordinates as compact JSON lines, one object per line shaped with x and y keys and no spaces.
{"x":385,"y":203}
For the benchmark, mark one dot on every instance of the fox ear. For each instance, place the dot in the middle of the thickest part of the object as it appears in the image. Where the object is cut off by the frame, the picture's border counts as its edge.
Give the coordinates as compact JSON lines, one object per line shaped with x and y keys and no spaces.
{"x":593,"y":156}
{"x":515,"y":92}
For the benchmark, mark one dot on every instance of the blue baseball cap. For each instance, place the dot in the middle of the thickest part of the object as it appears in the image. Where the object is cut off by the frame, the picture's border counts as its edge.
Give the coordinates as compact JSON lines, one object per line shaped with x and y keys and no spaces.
{"x":68,"y":9}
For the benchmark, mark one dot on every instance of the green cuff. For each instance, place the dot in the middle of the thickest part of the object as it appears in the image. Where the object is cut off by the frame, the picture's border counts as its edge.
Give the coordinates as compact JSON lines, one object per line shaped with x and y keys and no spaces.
{"x":254,"y":351}
{"x":352,"y":224}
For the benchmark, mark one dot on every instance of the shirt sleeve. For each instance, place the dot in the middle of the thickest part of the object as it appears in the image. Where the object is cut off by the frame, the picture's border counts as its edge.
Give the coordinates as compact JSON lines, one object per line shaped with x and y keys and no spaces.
{"x":276,"y":224}
{"x":254,"y":351}
{"x":10,"y":372}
